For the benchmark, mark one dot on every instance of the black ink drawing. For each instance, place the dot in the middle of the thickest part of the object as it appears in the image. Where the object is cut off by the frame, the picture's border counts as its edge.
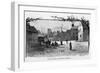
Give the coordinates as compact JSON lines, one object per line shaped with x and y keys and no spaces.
{"x":56,"y":34}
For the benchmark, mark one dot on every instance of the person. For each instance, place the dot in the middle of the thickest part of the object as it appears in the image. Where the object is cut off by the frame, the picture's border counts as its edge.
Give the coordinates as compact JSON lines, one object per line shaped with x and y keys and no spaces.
{"x":61,"y":42}
{"x":70,"y":46}
{"x":56,"y":44}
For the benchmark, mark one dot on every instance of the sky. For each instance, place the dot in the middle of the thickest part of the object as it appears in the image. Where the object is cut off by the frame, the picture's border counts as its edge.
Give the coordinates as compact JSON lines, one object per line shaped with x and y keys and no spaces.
{"x":43,"y":25}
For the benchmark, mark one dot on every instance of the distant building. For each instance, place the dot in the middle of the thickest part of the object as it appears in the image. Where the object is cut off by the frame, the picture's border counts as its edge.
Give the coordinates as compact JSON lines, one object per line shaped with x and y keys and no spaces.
{"x":74,"y":33}
{"x":71,"y":34}
{"x":78,"y":30}
{"x":49,"y":32}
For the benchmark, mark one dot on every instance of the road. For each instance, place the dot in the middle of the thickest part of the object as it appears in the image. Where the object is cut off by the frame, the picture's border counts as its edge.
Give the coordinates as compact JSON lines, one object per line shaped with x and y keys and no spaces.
{"x":78,"y":48}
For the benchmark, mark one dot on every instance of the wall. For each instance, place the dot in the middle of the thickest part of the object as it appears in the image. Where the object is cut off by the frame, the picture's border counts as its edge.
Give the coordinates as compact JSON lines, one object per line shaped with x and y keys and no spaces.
{"x":5,"y":36}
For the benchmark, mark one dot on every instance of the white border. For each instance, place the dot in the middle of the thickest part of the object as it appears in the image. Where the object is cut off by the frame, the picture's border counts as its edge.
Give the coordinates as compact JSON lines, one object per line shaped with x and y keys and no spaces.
{"x":17,"y":61}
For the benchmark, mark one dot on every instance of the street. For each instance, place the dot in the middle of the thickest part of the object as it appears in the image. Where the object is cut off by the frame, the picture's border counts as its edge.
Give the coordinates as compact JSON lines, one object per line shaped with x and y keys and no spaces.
{"x":78,"y":48}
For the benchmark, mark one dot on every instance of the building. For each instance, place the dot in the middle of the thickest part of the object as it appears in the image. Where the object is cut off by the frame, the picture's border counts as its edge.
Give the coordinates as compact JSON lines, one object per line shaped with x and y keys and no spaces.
{"x":74,"y":33}
{"x":78,"y":30}
{"x":50,"y":34}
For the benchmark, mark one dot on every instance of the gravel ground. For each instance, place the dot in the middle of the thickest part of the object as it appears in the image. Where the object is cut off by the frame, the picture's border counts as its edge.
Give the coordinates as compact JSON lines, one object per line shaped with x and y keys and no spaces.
{"x":79,"y":48}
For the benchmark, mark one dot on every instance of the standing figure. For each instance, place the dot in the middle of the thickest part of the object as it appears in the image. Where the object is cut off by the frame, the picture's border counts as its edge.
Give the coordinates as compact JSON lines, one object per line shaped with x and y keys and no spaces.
{"x":70,"y":46}
{"x":61,"y":42}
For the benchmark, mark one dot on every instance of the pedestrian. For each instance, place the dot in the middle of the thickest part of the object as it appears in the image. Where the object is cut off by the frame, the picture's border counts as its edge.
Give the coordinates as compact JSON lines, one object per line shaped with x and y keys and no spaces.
{"x":70,"y":46}
{"x":61,"y":42}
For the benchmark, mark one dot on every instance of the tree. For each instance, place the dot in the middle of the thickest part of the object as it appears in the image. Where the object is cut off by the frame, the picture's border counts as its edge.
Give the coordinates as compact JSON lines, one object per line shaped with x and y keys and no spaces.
{"x":30,"y":29}
{"x":61,"y":27}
